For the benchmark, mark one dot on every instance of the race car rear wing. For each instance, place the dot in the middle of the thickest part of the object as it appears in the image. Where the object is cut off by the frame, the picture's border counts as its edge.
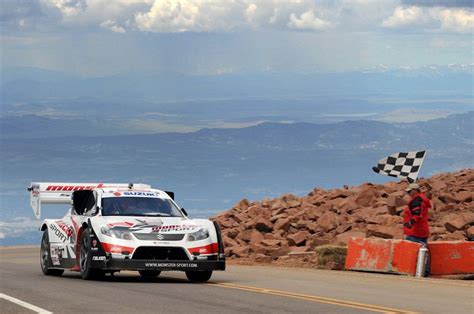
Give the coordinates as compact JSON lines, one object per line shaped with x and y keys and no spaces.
{"x":61,"y":192}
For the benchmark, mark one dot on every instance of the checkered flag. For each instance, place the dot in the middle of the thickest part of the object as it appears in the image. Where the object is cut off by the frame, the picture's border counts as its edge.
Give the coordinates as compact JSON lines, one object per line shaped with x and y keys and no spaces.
{"x":401,"y":165}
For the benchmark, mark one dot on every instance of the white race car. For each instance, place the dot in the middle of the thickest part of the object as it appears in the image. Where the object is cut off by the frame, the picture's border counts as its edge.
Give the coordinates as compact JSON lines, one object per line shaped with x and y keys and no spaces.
{"x":112,"y":227}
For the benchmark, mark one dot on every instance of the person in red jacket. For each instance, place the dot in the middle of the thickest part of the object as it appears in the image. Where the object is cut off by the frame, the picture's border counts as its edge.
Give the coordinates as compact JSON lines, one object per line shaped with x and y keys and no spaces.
{"x":415,"y":218}
{"x":415,"y":215}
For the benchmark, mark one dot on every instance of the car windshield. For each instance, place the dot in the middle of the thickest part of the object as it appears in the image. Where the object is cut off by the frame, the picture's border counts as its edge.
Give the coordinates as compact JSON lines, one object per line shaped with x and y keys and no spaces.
{"x":139,"y":206}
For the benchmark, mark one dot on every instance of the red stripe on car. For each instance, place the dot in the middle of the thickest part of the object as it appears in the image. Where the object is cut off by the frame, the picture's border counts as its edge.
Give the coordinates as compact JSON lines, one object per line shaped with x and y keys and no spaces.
{"x":207,"y":249}
{"x":114,"y":248}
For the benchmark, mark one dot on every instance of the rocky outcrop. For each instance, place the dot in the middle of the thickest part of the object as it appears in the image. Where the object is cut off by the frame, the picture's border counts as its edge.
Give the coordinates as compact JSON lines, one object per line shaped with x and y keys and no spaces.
{"x":271,"y":229}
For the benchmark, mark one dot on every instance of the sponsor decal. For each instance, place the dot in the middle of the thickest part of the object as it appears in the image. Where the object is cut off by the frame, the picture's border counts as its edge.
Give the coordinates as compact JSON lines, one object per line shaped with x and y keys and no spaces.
{"x":143,"y":224}
{"x":154,"y":227}
{"x":55,"y":255}
{"x":117,"y":193}
{"x":173,"y":265}
{"x":134,"y":193}
{"x":98,"y":258}
{"x":167,"y":228}
{"x":58,"y":232}
{"x":68,"y":230}
{"x":73,"y":187}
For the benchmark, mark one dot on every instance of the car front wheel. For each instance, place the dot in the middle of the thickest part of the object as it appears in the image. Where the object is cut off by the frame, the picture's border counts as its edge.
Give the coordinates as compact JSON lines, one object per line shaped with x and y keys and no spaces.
{"x":199,"y":276}
{"x":85,"y":259}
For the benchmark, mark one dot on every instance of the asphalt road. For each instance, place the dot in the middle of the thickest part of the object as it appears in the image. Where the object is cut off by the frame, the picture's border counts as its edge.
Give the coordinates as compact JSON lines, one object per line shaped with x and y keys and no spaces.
{"x":240,"y":289}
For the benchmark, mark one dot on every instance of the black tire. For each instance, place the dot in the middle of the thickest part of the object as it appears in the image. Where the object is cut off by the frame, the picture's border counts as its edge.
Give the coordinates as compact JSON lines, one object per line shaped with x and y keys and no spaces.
{"x":199,"y":276}
{"x":85,"y":259}
{"x":149,"y":274}
{"x":45,"y":257}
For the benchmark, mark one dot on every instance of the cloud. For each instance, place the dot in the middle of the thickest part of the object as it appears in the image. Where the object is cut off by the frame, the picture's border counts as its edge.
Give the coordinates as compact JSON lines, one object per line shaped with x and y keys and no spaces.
{"x":460,"y":20}
{"x":112,"y":25}
{"x":307,"y":21}
{"x":440,"y":3}
{"x":111,"y":15}
{"x":17,"y":227}
{"x":404,"y":16}
{"x":235,"y":35}
{"x":177,"y":16}
{"x":67,"y":7}
{"x":181,"y":16}
{"x":209,"y":16}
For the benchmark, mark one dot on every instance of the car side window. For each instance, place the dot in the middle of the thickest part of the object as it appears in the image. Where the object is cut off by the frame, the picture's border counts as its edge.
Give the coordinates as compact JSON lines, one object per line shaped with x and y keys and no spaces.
{"x":84,"y":202}
{"x":90,"y":206}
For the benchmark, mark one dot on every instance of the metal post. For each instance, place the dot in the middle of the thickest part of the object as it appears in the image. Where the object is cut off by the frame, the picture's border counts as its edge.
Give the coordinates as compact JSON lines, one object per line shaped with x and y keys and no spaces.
{"x":421,"y":261}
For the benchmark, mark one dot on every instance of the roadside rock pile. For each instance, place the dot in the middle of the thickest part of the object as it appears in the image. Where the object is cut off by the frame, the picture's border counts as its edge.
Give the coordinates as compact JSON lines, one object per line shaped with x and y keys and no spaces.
{"x":272,"y":229}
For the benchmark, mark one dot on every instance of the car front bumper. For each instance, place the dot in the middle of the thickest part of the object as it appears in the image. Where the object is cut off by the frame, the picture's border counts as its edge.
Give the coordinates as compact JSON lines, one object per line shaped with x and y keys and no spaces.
{"x":162,"y":265}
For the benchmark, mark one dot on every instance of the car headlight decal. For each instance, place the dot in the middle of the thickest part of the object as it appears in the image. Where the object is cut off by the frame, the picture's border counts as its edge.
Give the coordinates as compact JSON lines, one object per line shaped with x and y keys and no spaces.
{"x":201,"y":234}
{"x":116,"y":233}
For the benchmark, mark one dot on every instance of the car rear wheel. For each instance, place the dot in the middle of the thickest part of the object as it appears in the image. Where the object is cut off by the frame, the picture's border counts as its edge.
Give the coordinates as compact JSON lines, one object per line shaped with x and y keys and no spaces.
{"x":85,"y":259}
{"x":149,"y":274}
{"x":45,"y":257}
{"x":199,"y":276}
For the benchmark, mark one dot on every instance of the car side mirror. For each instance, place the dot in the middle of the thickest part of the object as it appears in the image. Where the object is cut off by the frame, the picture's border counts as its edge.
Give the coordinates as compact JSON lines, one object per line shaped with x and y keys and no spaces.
{"x":184,"y":211}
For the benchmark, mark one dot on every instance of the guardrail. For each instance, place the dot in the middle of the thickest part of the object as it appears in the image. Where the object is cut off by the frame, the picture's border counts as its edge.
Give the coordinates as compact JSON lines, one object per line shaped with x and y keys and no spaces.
{"x":400,"y":256}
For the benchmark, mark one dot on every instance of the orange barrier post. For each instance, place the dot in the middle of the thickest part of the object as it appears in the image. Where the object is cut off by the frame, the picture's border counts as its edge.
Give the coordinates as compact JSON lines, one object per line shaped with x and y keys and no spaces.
{"x":404,"y":257}
{"x":451,"y":258}
{"x":381,"y":255}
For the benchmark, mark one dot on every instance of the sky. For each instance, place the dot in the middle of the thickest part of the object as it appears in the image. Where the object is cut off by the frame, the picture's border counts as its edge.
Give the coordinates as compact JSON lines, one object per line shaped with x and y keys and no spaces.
{"x":198,"y":37}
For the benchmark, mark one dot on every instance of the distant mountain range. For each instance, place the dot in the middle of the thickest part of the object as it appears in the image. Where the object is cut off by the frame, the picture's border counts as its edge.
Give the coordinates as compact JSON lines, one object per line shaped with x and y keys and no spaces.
{"x":24,"y":84}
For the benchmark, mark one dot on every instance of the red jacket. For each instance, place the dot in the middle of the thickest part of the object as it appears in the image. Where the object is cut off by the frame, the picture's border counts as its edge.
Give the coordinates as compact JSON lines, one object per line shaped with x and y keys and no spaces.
{"x":417,"y":212}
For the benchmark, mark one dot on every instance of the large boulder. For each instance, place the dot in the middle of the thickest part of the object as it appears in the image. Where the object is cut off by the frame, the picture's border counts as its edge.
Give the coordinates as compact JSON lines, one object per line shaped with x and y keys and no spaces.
{"x":263,"y":225}
{"x":229,"y":241}
{"x":365,"y":197}
{"x":298,"y":239}
{"x":238,"y":251}
{"x":463,"y":196}
{"x":395,"y":201}
{"x":384,"y":232}
{"x":282,"y":224}
{"x":328,"y":221}
{"x":250,"y":235}
{"x":470,"y":231}
{"x":455,"y":222}
{"x":268,"y":242}
{"x":283,"y":250}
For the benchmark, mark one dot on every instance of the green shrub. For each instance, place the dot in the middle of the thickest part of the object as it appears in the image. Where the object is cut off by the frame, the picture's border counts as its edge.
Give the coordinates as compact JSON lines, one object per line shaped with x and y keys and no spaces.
{"x":331,"y":256}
